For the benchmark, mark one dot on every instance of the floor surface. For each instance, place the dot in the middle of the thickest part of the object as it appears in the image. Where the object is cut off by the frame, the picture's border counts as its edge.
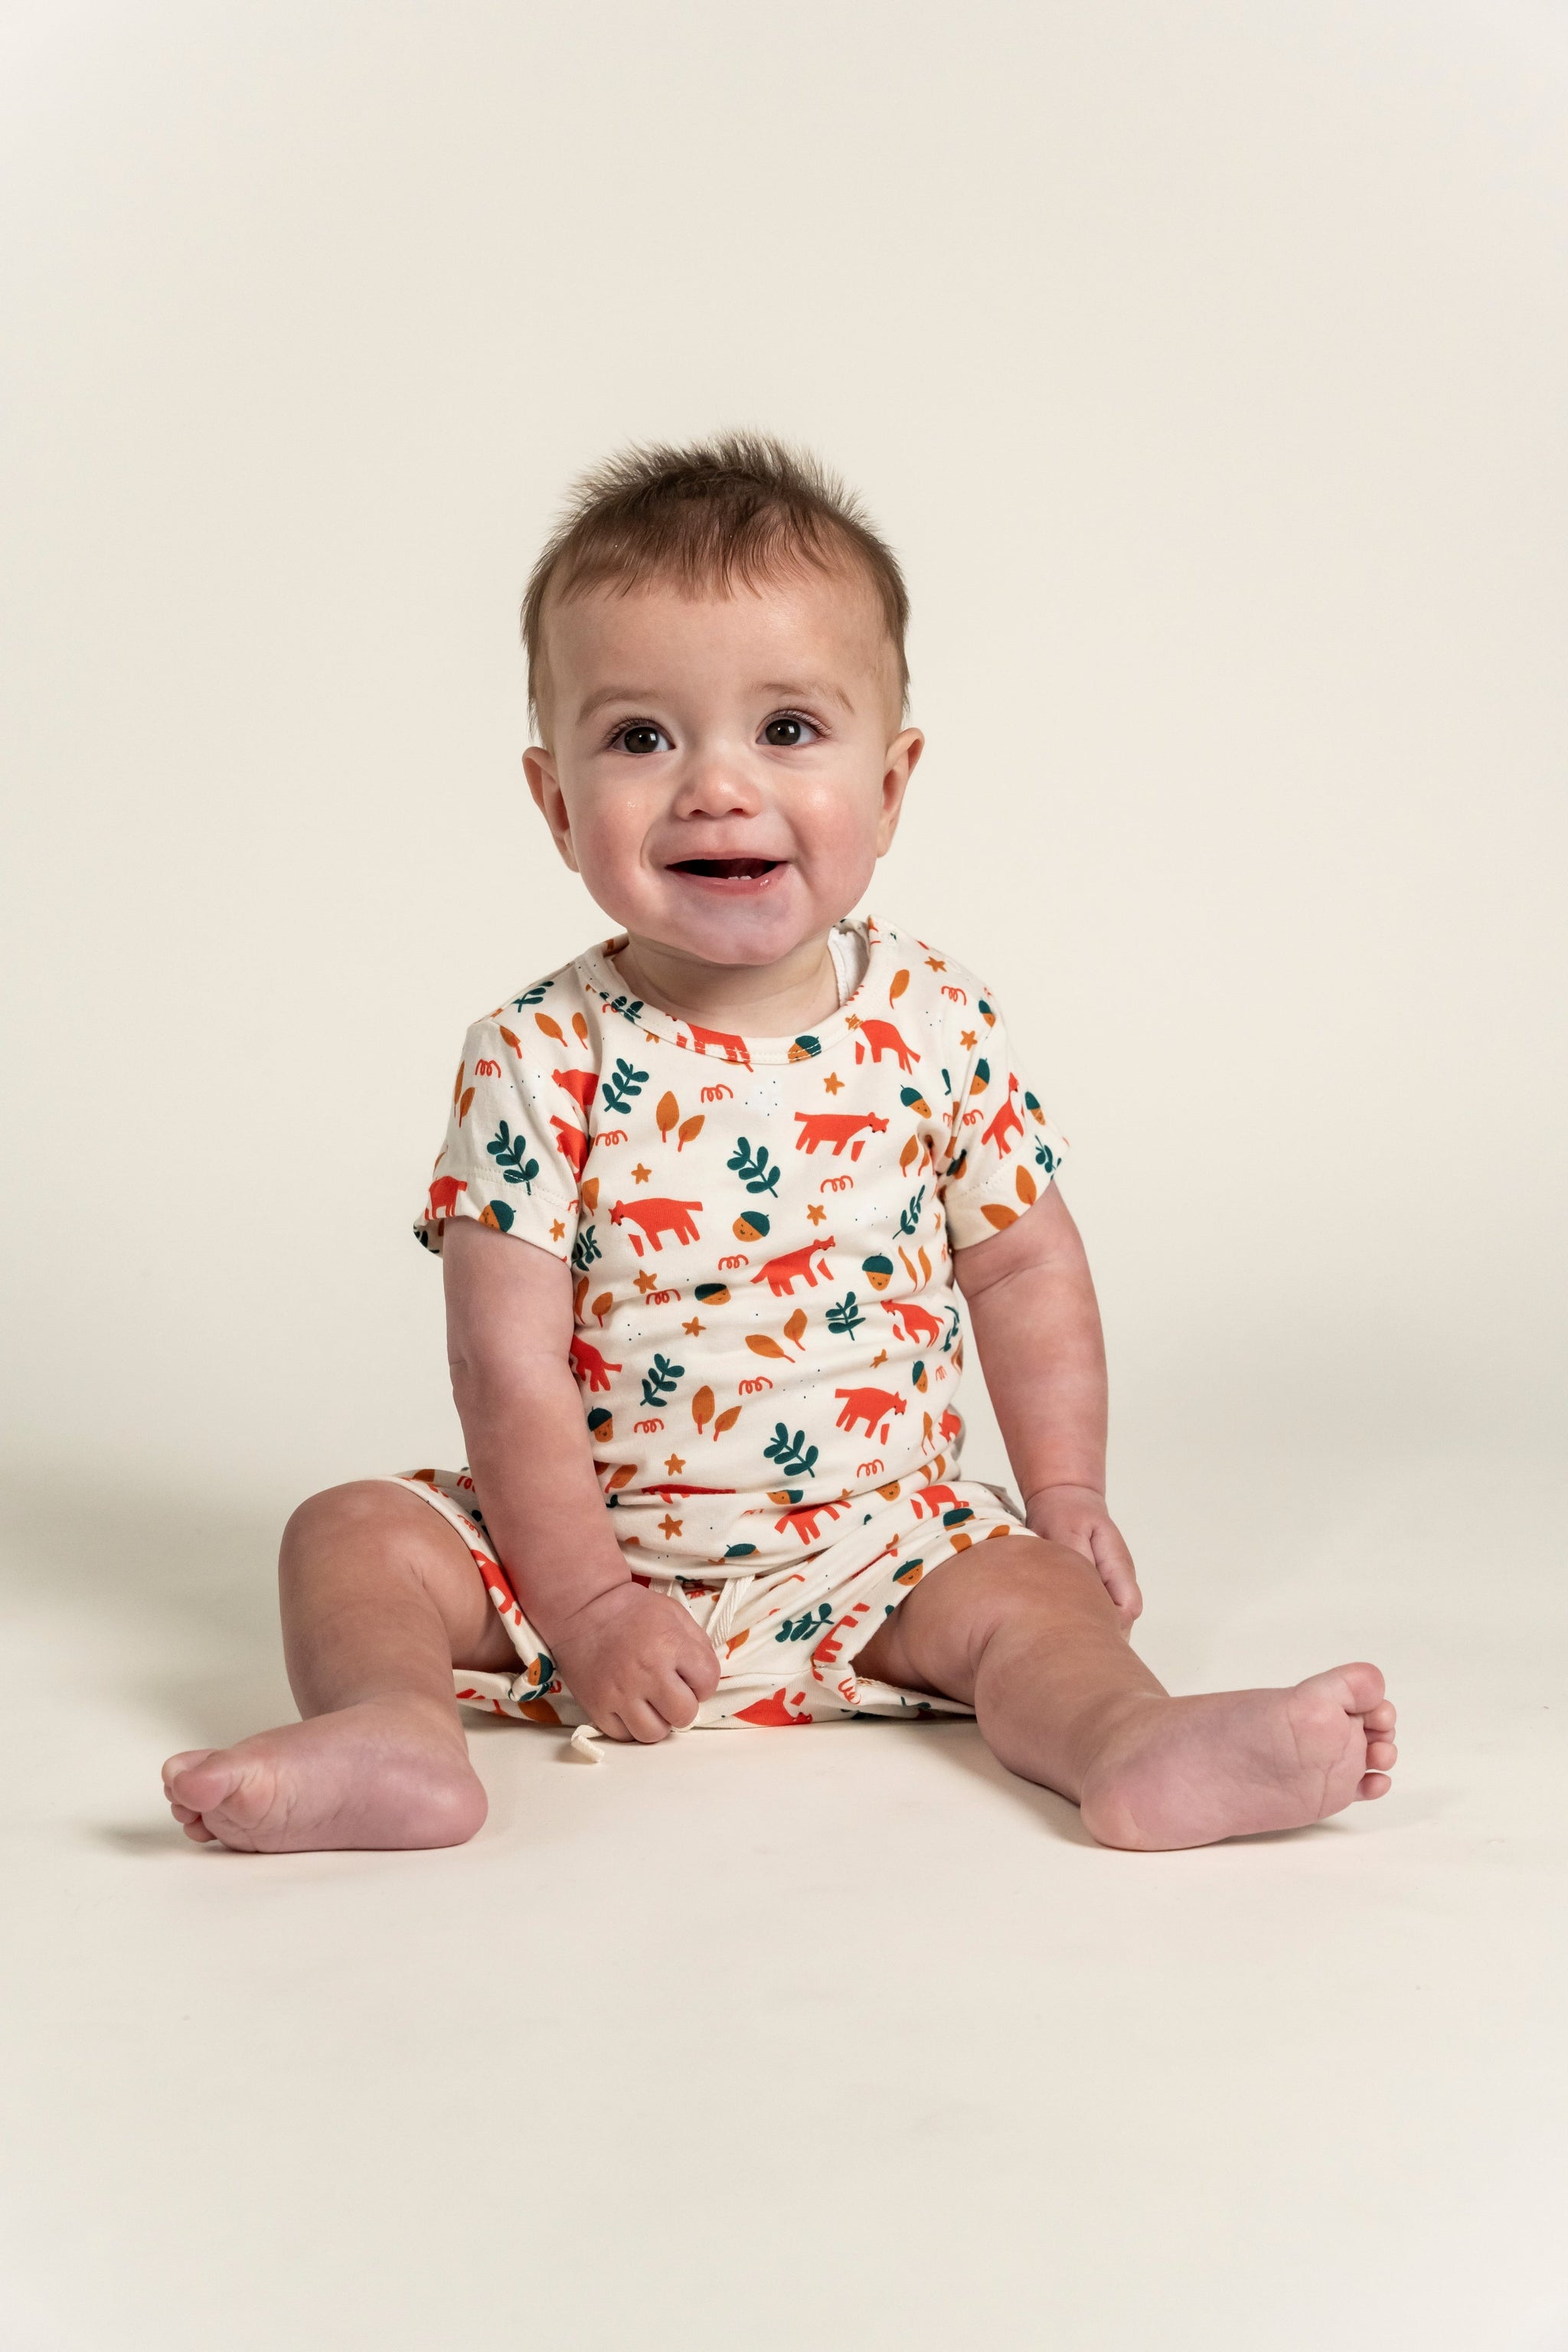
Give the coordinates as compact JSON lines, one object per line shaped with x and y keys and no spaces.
{"x":849,"y":2040}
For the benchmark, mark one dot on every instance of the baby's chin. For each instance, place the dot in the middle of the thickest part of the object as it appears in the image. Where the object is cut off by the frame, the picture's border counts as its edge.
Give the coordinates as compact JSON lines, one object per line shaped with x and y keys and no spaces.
{"x":732,"y":919}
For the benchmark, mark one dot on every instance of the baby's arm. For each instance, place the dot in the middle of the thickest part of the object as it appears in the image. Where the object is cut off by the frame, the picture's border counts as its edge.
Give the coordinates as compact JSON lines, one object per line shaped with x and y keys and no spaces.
{"x":634,"y":1660}
{"x":1031,"y":1300}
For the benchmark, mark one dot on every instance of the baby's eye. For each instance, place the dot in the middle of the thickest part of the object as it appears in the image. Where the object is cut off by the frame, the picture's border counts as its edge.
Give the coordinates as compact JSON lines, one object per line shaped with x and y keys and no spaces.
{"x":786,"y":731}
{"x":643,"y":738}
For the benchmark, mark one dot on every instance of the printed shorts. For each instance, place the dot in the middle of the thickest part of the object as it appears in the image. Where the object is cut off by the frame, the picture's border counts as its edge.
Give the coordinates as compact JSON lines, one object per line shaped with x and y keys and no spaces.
{"x":786,"y":1637}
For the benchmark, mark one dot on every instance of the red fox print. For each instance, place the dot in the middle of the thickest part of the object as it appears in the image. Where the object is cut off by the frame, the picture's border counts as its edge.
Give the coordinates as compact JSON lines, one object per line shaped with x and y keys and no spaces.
{"x":914,"y":1322}
{"x":951,"y":1427}
{"x":772,"y":1710}
{"x":571,"y":1144}
{"x":588,"y":1363}
{"x":883,"y":1038}
{"x":444,"y":1194}
{"x":731,"y":1048}
{"x":1006,"y":1123}
{"x":830,"y":1649}
{"x":871,"y":1406}
{"x":781,"y":1274}
{"x":801,"y":1520}
{"x":836,"y":1126}
{"x":656,"y":1218}
{"x":934,"y":1499}
{"x":581,"y":1084}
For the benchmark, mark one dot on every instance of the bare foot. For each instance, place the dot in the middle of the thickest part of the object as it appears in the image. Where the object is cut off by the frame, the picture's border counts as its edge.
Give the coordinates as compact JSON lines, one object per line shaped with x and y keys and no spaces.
{"x":387,"y":1773}
{"x":1187,"y":1771}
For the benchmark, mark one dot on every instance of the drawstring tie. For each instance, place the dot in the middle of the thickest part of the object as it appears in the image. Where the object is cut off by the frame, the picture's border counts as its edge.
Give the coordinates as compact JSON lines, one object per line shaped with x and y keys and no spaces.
{"x":585,"y":1739}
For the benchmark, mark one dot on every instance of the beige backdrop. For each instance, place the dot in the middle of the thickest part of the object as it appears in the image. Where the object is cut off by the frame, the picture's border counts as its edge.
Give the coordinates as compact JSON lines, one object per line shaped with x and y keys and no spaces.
{"x":1207,"y":368}
{"x":1206,"y":364}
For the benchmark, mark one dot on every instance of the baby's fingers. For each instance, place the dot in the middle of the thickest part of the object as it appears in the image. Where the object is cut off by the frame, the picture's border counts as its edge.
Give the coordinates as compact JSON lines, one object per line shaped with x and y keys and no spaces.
{"x":643,"y":1721}
{"x":697,"y":1668}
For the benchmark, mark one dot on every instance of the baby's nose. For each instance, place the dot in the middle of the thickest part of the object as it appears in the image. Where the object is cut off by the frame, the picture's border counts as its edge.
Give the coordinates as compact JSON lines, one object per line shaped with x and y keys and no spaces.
{"x":717,"y":787}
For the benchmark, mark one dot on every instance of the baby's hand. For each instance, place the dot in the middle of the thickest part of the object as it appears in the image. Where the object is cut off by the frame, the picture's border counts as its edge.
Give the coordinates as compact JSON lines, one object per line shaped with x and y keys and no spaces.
{"x":636,"y":1662}
{"x":1076,"y":1517}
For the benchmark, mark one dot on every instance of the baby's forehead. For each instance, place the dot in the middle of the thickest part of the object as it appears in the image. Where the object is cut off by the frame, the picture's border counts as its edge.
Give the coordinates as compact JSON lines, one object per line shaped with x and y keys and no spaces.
{"x":828,"y":614}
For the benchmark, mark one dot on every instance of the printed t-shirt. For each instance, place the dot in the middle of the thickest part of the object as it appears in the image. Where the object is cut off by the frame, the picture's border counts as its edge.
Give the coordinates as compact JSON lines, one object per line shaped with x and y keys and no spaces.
{"x":759,"y":1232}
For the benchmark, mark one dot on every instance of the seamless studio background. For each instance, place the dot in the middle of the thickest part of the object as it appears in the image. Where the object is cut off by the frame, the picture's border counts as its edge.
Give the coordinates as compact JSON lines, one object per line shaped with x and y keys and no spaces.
{"x":1207,"y":368}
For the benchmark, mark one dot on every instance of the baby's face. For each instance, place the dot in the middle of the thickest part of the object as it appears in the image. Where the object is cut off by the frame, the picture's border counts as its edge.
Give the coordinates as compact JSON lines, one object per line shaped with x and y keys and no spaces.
{"x":723,"y":771}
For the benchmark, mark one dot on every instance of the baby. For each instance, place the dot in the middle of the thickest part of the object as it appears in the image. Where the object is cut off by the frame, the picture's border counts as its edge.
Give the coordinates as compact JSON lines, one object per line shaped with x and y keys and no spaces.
{"x":706,"y":1197}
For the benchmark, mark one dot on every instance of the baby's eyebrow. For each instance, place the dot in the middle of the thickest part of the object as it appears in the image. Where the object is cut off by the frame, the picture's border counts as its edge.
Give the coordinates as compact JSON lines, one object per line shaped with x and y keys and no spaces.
{"x":795,"y":690}
{"x":615,"y":694}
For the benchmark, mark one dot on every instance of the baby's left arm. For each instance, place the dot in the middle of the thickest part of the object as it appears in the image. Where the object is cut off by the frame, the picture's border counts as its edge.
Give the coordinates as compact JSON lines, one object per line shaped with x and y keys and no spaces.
{"x":1036,"y":1325}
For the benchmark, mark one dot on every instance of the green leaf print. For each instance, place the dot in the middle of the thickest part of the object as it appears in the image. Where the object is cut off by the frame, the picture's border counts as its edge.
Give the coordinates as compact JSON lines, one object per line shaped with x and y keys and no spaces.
{"x":658,"y":1381}
{"x":753,"y":1171}
{"x":910,"y":1222}
{"x":1045,"y":1157}
{"x":510,"y":1153}
{"x":795,"y":1457}
{"x":802,"y":1628}
{"x":618,"y":1091}
{"x":845,"y":1316}
{"x":534,"y":995}
{"x":585,"y":1249}
{"x":629,"y":1006}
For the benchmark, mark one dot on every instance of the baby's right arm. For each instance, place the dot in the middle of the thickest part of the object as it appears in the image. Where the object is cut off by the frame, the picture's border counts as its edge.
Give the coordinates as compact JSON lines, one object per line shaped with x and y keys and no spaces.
{"x":634,"y":1660}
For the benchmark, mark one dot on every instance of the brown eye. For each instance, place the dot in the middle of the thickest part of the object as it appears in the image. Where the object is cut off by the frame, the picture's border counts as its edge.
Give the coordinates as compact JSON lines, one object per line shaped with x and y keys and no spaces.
{"x":642,"y":738}
{"x":786,"y":733}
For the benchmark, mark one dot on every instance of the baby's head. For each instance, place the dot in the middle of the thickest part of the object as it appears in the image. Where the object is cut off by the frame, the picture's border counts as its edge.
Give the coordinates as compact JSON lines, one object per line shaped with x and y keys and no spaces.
{"x":716,"y":663}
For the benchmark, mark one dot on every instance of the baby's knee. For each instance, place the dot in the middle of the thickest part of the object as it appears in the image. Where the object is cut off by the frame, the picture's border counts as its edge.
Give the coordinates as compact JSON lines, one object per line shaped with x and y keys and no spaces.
{"x":1027,"y":1575}
{"x":362,"y":1515}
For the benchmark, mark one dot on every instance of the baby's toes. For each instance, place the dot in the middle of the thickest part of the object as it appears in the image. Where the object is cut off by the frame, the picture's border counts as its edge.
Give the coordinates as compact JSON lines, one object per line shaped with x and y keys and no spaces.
{"x":1381,"y":1753}
{"x":1374,"y":1784}
{"x":185,"y":1761}
{"x":1381,"y":1717}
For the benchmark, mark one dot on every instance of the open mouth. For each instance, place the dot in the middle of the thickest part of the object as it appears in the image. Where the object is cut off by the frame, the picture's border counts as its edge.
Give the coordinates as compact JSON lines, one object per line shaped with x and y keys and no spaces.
{"x":728,"y":869}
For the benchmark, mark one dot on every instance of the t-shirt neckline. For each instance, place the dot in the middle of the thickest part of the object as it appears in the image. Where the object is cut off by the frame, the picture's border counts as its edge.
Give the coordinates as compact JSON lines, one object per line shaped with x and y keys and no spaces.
{"x":600,"y":974}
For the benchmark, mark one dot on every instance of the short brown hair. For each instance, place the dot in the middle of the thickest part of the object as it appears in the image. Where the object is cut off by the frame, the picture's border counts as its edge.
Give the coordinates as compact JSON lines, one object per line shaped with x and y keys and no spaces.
{"x":741,"y":508}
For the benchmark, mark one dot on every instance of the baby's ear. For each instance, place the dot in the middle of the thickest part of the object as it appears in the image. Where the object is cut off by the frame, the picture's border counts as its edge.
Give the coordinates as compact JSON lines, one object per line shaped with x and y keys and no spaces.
{"x":902,"y":752}
{"x":539,"y":767}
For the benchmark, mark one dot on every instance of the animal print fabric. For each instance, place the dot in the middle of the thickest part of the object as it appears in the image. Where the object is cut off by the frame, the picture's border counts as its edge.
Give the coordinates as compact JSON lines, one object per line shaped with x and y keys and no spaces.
{"x":760,"y":1229}
{"x":786,"y":1638}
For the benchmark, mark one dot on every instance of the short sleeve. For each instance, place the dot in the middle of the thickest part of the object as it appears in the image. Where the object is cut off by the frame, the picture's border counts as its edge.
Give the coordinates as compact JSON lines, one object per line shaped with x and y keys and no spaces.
{"x":1005,"y":1150}
{"x":500,"y":1163}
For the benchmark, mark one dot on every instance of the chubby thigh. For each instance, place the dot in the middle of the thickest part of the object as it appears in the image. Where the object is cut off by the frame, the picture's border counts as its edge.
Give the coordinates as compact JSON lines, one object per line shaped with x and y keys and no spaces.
{"x":788,"y":1639}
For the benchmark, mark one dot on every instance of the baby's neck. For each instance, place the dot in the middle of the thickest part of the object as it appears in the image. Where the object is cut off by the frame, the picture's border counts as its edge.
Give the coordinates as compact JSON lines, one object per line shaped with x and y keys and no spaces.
{"x":772,"y":1000}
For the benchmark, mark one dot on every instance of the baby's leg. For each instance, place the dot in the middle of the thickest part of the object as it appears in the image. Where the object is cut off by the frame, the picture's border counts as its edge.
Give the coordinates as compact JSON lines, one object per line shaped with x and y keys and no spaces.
{"x":1025,"y":1633}
{"x":380,"y":1601}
